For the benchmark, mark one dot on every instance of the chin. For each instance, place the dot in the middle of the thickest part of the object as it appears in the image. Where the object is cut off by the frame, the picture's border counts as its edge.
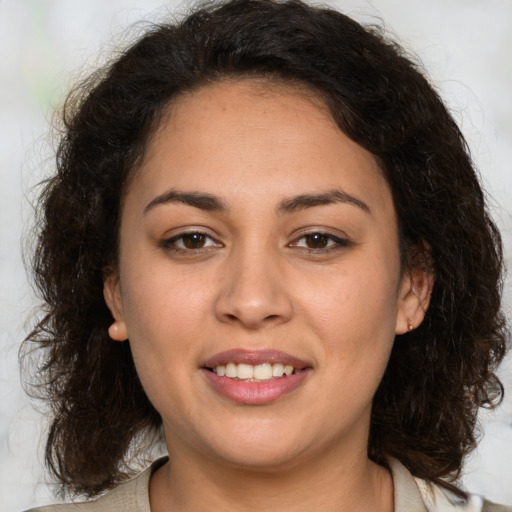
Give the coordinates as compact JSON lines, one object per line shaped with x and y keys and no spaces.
{"x":260,"y":447}
{"x":254,"y":459}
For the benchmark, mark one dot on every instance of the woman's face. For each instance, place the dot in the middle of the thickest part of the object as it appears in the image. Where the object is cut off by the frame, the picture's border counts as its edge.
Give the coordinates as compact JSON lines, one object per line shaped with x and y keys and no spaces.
{"x":257,"y":237}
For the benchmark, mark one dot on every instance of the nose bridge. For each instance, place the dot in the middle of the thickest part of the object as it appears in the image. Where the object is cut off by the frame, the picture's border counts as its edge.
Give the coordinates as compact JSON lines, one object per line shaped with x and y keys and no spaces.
{"x":254,"y":292}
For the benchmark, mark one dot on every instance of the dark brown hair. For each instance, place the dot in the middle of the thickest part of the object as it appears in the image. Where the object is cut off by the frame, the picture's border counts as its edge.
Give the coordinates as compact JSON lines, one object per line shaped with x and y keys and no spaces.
{"x":425,"y":409}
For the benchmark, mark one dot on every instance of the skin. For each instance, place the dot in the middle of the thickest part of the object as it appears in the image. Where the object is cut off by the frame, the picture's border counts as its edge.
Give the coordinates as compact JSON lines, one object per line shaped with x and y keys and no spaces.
{"x":260,"y":282}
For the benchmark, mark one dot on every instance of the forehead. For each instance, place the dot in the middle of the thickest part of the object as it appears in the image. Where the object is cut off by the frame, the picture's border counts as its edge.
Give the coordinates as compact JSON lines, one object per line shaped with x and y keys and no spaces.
{"x":254,"y":135}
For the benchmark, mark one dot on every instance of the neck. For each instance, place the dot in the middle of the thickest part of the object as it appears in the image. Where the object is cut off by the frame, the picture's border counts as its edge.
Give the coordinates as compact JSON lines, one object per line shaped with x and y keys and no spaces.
{"x":328,"y":483}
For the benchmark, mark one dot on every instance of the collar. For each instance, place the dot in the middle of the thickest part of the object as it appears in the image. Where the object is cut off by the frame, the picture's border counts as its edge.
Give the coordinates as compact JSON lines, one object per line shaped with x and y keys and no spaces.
{"x":416,"y":495}
{"x":411,"y":494}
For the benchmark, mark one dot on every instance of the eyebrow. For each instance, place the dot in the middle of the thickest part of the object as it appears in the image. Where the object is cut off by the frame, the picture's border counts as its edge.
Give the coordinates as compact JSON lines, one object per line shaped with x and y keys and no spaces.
{"x":200,"y":200}
{"x":210,"y":202}
{"x":304,"y":201}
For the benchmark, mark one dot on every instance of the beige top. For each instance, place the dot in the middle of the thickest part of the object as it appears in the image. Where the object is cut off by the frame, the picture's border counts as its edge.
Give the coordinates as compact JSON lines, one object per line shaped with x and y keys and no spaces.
{"x":411,"y":495}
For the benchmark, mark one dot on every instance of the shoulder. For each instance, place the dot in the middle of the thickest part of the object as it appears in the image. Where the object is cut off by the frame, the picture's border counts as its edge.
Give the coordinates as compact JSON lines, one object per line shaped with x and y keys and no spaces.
{"x":130,"y":496}
{"x":492,"y":507}
{"x":121,"y":499}
{"x":415,"y":494}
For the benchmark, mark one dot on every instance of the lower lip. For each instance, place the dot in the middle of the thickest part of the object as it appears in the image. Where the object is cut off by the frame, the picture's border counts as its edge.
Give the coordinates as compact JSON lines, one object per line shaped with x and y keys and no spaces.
{"x":255,"y":393}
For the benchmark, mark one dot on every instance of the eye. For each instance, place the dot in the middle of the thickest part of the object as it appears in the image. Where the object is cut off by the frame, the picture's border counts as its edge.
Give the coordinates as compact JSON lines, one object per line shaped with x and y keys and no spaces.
{"x":318,"y":241}
{"x":190,"y":241}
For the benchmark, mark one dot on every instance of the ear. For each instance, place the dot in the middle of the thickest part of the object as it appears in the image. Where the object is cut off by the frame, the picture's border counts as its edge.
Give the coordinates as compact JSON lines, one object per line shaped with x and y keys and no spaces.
{"x":112,"y":294}
{"x":415,"y":292}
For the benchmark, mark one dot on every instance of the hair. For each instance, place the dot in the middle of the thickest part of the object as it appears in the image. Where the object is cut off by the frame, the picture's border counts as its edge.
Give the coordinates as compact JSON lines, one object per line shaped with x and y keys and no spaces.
{"x":425,"y":410}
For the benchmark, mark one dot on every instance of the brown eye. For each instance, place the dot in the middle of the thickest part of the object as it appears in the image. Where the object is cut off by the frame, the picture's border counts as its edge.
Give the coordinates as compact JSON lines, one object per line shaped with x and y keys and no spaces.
{"x":316,"y":241}
{"x":320,"y":242}
{"x":194,"y":240}
{"x":191,"y":241}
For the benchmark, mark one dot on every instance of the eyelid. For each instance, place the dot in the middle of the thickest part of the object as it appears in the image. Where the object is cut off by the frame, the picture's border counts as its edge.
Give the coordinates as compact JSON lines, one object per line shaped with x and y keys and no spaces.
{"x":335,"y":241}
{"x":169,"y":242}
{"x":341,"y":240}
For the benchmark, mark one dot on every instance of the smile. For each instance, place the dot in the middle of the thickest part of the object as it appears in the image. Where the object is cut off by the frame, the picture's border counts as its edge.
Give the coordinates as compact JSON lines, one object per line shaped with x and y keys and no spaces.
{"x":255,"y":377}
{"x":263,"y":372}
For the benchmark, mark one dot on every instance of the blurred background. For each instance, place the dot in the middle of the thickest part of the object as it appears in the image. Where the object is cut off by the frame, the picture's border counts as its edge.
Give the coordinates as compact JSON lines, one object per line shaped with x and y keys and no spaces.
{"x":466,"y":46}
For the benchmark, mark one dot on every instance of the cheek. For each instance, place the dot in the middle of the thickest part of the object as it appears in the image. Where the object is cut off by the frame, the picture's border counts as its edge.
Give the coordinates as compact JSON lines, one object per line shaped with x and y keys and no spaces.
{"x":162,"y":304}
{"x":357,"y":301}
{"x":354,"y":313}
{"x":164,"y":322}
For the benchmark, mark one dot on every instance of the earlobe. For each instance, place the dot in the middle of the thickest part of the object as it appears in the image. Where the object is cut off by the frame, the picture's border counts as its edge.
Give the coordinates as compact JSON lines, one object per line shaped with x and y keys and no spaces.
{"x":112,"y":295}
{"x":117,"y":331}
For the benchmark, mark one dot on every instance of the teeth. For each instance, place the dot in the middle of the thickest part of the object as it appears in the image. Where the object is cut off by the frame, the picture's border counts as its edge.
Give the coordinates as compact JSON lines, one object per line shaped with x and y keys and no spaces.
{"x":231,"y":370}
{"x":245,"y":371}
{"x":259,"y":372}
{"x":263,"y":371}
{"x":278,"y":370}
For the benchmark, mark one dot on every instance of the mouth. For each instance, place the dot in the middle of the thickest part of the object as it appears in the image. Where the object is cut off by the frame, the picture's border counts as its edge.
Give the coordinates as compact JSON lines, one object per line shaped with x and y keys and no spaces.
{"x":255,"y":377}
{"x":263,"y":372}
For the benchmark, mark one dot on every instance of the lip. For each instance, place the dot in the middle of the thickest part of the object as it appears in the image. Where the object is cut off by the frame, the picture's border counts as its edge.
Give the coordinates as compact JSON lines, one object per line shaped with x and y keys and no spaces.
{"x":255,"y":357}
{"x":255,"y":393}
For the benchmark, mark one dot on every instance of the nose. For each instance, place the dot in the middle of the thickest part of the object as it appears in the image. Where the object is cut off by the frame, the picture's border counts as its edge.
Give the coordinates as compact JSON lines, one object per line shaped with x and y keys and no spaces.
{"x":253,"y":293}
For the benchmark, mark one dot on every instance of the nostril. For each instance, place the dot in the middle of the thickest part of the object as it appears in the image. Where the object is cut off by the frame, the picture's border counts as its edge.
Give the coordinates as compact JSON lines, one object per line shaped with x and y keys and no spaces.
{"x":251,"y":307}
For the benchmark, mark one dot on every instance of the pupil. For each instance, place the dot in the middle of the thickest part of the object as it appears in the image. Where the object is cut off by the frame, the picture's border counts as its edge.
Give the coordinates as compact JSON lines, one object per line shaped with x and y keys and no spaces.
{"x":193,"y":241}
{"x":317,"y":241}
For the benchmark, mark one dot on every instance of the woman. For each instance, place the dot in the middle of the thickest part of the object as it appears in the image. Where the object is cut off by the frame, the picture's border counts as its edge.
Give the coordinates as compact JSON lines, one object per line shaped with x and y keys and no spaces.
{"x":267,"y":242}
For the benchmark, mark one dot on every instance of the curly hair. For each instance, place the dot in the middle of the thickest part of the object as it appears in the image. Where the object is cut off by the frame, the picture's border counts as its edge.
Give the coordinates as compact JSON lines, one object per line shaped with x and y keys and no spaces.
{"x":425,"y":410}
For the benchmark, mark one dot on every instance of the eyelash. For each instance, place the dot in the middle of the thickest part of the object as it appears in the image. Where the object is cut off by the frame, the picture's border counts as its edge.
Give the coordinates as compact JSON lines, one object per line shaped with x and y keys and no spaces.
{"x":171,"y":243}
{"x":333,"y":243}
{"x":337,"y":243}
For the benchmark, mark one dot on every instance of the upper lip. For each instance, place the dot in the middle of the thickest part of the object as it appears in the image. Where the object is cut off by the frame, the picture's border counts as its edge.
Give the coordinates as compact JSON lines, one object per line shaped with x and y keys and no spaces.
{"x":255,"y":357}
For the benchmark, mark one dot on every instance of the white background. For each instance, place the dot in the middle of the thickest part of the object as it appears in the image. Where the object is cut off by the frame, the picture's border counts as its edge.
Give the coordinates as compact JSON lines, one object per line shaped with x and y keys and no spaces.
{"x":466,"y":46}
